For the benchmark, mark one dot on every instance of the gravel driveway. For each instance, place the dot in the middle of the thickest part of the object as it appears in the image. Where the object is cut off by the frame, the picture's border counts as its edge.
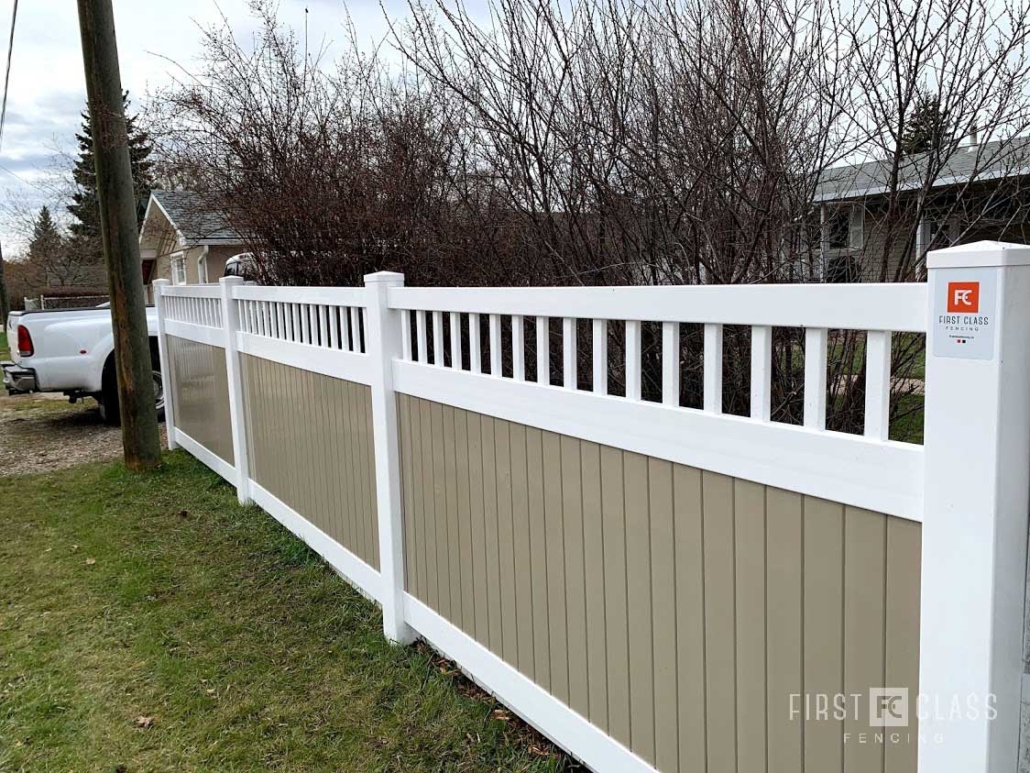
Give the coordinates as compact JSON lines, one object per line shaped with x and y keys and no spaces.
{"x":40,"y":433}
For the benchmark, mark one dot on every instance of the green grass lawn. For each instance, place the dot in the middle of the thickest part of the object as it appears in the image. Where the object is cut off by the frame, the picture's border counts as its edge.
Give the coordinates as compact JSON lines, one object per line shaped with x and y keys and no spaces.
{"x":149,"y":623}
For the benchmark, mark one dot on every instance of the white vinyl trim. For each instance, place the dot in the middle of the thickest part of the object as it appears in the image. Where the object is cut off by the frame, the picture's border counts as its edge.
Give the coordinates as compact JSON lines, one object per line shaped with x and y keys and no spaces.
{"x":325,"y":296}
{"x":898,"y":307}
{"x":194,"y":291}
{"x":337,"y":363}
{"x":212,"y":336}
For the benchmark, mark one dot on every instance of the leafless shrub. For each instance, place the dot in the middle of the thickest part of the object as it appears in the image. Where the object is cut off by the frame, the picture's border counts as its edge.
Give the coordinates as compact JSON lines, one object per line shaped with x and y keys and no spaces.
{"x":615,"y":142}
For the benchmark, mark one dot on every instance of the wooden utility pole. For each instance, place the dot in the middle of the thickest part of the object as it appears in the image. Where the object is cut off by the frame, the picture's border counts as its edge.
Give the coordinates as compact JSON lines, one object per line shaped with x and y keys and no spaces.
{"x":121,"y":241}
{"x":5,"y":297}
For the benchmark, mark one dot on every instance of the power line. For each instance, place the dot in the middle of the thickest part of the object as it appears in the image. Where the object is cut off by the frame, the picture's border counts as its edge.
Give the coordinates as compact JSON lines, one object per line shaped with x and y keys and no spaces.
{"x":7,"y":74}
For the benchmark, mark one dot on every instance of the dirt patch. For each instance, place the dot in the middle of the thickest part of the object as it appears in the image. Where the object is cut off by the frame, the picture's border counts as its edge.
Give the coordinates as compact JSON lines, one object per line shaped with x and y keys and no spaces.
{"x":40,"y":433}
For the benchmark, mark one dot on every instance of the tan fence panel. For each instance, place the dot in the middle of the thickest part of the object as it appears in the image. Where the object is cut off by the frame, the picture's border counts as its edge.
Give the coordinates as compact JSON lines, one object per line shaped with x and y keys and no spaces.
{"x":200,"y":399}
{"x":679,"y":610}
{"x":310,"y":444}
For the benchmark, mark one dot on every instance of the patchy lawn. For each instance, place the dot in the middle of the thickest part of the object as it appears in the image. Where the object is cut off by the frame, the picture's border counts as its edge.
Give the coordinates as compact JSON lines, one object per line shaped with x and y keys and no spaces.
{"x":148,"y":622}
{"x":5,"y":352}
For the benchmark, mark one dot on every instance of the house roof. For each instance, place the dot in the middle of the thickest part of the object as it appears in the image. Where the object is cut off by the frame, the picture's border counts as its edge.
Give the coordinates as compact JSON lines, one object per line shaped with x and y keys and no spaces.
{"x":195,"y":221}
{"x":986,"y":161}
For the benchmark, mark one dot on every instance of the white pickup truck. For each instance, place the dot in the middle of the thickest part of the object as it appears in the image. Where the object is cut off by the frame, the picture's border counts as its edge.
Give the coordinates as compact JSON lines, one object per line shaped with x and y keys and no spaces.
{"x":71,"y":351}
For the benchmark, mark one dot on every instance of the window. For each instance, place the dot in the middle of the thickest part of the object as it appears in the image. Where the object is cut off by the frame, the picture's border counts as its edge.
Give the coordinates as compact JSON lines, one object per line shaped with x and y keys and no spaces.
{"x":842,"y":228}
{"x":838,"y":229}
{"x":178,"y":270}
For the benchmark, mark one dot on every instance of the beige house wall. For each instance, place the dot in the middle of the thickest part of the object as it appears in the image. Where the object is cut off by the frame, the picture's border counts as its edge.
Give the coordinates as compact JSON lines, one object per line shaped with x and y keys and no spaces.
{"x":310,"y":444}
{"x":678,"y":610}
{"x":217,"y":255}
{"x":200,"y":397}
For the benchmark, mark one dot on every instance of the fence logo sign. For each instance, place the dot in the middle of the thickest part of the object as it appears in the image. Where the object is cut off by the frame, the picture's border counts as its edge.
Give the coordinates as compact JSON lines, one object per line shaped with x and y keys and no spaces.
{"x":965,"y":313}
{"x":963,"y":297}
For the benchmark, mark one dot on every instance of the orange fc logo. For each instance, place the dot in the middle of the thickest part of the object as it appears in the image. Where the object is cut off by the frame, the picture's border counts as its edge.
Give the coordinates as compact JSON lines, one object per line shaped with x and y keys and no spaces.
{"x":963,"y":297}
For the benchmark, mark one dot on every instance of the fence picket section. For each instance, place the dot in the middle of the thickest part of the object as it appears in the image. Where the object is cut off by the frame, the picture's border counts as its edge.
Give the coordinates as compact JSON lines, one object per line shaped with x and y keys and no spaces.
{"x":648,"y":584}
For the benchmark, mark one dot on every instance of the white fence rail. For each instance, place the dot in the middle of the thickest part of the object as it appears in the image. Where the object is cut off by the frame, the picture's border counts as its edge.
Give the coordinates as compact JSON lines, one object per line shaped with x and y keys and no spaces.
{"x":968,"y":486}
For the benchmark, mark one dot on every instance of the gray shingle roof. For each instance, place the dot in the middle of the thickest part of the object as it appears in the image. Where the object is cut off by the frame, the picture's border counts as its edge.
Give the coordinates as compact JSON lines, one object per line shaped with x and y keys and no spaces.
{"x":987,"y":161}
{"x":196,"y":221}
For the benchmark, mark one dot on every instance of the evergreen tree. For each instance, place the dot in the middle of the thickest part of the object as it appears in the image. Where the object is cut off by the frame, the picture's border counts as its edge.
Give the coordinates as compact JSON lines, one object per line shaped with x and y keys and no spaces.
{"x":46,"y":239}
{"x":926,"y":128}
{"x":84,"y":206}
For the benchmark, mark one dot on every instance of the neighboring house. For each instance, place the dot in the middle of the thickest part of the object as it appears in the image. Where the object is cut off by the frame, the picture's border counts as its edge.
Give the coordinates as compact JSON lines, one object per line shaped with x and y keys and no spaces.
{"x":184,"y":240}
{"x":876,"y":230}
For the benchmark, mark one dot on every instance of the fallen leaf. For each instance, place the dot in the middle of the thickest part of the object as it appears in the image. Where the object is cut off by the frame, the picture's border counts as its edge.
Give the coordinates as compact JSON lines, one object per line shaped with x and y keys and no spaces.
{"x":211,"y":691}
{"x":144,"y":722}
{"x":90,"y":561}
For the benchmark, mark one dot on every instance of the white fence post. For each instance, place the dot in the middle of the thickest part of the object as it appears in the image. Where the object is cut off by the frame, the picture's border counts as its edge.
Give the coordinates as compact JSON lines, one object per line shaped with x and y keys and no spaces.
{"x":384,"y":345}
{"x":166,"y":366}
{"x":977,"y":479}
{"x":233,"y":371}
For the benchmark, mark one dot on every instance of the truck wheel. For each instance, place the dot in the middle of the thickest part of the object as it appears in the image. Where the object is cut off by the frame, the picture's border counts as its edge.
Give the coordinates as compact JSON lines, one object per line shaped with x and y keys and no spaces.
{"x":159,"y":395}
{"x":108,"y":397}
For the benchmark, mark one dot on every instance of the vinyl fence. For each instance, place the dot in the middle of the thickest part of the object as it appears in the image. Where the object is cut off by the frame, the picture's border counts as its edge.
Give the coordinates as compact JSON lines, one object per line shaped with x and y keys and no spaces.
{"x":653,"y":587}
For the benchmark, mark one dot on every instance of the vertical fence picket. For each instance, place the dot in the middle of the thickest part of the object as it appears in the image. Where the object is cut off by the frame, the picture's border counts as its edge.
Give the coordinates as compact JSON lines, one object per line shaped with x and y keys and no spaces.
{"x":346,"y":335}
{"x":600,"y":356}
{"x":495,"y":345}
{"x":878,"y":385}
{"x":420,"y":334}
{"x":456,"y":340}
{"x":633,"y":391}
{"x":475,"y":345}
{"x":438,"y":352}
{"x":671,"y":363}
{"x":713,"y":368}
{"x":569,"y":359}
{"x":815,"y":377}
{"x":761,"y":372}
{"x":518,"y":348}
{"x":405,"y":336}
{"x":543,"y":351}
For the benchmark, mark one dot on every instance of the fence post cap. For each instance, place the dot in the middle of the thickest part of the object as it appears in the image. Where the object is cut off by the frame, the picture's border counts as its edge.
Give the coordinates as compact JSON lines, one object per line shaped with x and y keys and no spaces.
{"x":161,"y":282}
{"x":391,"y":277}
{"x":983,"y":254}
{"x":230,"y":280}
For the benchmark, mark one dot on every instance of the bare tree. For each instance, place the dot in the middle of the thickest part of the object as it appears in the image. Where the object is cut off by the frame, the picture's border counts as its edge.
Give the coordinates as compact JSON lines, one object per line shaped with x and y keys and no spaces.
{"x":617,"y":142}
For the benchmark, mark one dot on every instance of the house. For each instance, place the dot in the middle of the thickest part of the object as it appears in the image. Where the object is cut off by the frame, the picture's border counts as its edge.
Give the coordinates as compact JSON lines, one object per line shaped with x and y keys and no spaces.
{"x":184,"y":240}
{"x":873,"y":228}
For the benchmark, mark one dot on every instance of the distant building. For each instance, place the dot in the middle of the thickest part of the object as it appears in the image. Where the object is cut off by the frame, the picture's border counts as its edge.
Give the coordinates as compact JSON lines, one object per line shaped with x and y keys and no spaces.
{"x":184,"y":240}
{"x":980,"y":192}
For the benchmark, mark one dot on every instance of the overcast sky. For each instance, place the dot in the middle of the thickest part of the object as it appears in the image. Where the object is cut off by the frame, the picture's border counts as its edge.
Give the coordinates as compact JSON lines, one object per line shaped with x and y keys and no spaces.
{"x":47,"y":88}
